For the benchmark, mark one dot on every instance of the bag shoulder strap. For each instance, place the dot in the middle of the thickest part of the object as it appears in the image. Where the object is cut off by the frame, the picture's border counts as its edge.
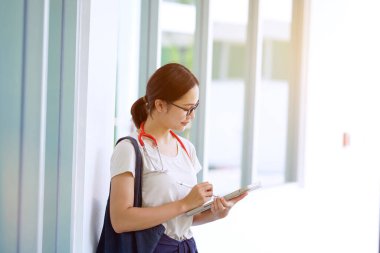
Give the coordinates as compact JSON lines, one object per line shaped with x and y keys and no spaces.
{"x":137,"y":202}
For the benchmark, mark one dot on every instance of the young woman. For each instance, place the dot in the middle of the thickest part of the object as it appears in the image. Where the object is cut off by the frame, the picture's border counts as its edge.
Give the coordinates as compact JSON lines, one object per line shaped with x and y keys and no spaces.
{"x":170,"y":164}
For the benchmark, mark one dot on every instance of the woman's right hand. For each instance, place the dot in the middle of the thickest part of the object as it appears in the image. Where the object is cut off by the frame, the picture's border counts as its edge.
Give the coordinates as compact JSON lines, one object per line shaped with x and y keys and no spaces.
{"x":198,"y":195}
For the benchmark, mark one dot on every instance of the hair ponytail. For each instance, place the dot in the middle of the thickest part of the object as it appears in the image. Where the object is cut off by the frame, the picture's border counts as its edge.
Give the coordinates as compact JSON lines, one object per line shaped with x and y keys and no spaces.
{"x":168,"y":83}
{"x":139,"y":112}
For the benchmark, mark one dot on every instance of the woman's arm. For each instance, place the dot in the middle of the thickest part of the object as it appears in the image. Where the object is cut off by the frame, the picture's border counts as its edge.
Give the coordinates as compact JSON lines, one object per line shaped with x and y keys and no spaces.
{"x":125,"y":217}
{"x":219,"y":209}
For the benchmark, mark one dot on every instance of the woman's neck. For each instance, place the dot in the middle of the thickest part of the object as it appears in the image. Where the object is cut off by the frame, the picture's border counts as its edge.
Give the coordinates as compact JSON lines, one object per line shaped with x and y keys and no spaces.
{"x":160,"y":133}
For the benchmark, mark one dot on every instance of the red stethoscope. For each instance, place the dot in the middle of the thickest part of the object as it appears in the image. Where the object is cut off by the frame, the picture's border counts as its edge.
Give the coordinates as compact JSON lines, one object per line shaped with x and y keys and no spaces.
{"x":142,"y":134}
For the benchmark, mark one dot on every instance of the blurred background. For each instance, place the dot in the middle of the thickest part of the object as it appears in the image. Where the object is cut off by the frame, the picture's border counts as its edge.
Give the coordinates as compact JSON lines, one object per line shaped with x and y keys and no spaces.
{"x":289,"y":96}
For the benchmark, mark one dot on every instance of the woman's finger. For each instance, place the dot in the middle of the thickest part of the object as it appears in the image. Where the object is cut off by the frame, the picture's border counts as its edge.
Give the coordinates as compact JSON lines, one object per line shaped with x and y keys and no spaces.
{"x":213,"y":210}
{"x":226,"y":203}
{"x":206,"y":186}
{"x":219,"y":204}
{"x":238,"y":198}
{"x":208,"y":193}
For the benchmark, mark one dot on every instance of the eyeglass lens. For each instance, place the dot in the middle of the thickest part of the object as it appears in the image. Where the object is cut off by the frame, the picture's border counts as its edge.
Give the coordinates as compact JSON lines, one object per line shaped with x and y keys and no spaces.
{"x":192,"y":109}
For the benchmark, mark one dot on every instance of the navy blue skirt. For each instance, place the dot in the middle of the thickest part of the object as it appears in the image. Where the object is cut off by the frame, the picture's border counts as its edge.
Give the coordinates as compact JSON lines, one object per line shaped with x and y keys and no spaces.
{"x":169,"y":245}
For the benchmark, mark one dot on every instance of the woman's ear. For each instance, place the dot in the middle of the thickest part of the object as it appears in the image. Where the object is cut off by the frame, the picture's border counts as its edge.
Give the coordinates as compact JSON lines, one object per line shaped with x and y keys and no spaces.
{"x":160,"y":105}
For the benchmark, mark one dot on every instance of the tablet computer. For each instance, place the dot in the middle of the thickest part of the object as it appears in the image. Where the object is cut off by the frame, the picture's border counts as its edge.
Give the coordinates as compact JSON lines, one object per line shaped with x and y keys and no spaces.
{"x":229,"y":196}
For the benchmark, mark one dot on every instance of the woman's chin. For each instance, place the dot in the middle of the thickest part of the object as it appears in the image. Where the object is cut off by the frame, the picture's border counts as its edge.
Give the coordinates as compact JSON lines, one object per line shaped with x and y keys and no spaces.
{"x":181,"y":127}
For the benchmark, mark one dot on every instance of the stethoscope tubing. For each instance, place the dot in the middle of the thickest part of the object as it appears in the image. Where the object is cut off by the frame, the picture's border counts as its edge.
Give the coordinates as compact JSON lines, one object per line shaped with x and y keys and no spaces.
{"x":142,"y":134}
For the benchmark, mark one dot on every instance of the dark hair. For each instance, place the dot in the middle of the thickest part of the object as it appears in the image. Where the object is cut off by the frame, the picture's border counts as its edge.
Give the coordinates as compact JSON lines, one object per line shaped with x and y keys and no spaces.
{"x":169,"y":83}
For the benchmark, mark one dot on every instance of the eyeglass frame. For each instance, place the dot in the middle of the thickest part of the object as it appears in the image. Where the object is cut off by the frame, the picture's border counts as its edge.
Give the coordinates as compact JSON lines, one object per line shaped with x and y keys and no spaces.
{"x":188,"y":111}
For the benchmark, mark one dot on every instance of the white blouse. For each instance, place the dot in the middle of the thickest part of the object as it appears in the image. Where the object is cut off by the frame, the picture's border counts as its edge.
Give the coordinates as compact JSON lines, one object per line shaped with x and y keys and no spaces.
{"x":161,"y":187}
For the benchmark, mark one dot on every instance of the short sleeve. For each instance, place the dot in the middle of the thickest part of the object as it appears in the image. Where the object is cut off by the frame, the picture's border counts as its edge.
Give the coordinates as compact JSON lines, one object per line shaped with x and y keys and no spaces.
{"x":123,"y":159}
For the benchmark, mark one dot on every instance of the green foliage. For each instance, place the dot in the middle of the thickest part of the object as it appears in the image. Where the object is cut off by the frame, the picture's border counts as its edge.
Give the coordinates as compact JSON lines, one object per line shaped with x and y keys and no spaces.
{"x":182,"y":55}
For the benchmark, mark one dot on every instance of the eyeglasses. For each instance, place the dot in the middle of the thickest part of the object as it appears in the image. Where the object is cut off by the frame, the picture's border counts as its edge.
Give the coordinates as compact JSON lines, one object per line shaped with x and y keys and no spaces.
{"x":188,"y":111}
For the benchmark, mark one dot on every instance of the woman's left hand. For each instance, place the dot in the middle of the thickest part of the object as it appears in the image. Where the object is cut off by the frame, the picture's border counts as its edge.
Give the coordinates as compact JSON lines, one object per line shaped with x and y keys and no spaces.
{"x":220,"y":207}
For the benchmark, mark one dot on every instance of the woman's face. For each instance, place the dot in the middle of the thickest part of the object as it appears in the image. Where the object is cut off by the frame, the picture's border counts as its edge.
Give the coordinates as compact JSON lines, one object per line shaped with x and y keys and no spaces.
{"x":176,"y":117}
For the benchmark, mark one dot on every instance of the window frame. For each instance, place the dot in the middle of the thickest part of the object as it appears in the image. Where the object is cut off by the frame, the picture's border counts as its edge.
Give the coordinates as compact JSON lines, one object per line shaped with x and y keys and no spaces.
{"x":150,"y":59}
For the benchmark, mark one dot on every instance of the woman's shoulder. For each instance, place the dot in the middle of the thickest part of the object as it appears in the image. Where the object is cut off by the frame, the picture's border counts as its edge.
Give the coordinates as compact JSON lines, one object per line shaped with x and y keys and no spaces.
{"x":123,"y":158}
{"x":188,"y":145}
{"x":122,"y":148}
{"x":186,"y":142}
{"x":192,"y":153}
{"x":125,"y":141}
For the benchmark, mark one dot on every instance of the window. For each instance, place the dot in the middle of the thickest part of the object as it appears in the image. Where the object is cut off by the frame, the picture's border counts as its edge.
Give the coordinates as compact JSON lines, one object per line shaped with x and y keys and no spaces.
{"x":177,"y":30}
{"x":245,"y":116}
{"x":274,"y":90}
{"x":226,"y":93}
{"x":177,"y":38}
{"x":127,"y":76}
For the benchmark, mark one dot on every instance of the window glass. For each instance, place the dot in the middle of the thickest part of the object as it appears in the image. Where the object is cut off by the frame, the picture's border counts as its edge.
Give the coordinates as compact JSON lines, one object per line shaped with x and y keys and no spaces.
{"x":177,"y":28}
{"x":226,"y":94}
{"x":274,"y":89}
{"x":181,"y":1}
{"x":127,"y":75}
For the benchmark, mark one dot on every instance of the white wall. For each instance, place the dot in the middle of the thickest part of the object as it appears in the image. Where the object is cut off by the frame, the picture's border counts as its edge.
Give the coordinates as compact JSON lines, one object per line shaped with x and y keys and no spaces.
{"x":343,"y":97}
{"x":95,"y":119}
{"x":337,"y":210}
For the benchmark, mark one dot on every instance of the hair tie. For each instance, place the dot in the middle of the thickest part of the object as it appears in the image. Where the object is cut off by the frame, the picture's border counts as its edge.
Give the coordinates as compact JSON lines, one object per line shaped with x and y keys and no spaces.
{"x":145,"y":101}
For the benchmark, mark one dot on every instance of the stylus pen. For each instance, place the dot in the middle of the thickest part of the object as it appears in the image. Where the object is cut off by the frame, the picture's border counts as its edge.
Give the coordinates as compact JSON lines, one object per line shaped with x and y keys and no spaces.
{"x":183,"y":184}
{"x":189,"y":186}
